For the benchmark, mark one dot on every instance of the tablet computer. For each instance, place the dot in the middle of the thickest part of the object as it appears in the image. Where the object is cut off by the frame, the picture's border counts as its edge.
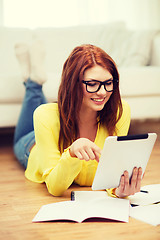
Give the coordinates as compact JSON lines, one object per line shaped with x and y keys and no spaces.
{"x":120,"y":154}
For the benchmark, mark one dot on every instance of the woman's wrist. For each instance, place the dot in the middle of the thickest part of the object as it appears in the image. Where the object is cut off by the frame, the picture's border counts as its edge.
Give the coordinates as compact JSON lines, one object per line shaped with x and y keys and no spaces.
{"x":118,"y":194}
{"x":114,"y":191}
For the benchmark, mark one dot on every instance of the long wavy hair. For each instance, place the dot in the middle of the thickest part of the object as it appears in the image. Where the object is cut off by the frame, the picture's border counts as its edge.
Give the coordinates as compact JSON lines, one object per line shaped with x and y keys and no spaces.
{"x":70,"y":93}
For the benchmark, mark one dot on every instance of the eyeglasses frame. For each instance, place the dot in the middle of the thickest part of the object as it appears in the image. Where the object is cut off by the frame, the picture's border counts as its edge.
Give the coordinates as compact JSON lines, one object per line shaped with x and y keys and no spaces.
{"x":100,"y":84}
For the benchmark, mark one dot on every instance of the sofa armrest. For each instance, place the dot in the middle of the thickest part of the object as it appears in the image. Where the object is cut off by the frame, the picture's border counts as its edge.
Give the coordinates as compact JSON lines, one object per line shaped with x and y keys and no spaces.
{"x":155,"y":51}
{"x":140,"y":81}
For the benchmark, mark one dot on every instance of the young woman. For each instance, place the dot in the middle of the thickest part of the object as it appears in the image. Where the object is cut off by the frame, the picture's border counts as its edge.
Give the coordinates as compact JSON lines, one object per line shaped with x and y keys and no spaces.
{"x":65,"y":143}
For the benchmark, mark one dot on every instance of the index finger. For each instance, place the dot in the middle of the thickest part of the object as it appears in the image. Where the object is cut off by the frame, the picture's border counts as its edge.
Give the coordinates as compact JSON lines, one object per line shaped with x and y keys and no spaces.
{"x":97,"y":149}
{"x":97,"y":156}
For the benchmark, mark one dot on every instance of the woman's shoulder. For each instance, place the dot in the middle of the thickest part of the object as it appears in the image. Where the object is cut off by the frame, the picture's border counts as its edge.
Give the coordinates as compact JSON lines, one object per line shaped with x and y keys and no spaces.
{"x":47,"y":107}
{"x":48,"y":110}
{"x":125,"y":105}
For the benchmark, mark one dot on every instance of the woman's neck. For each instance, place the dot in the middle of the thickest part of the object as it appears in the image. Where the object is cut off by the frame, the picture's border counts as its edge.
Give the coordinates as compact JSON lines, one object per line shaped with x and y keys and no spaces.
{"x":88,"y":125}
{"x":88,"y":118}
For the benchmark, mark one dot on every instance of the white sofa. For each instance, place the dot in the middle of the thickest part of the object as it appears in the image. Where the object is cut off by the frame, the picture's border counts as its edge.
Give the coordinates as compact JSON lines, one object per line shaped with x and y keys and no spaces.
{"x":137,"y":54}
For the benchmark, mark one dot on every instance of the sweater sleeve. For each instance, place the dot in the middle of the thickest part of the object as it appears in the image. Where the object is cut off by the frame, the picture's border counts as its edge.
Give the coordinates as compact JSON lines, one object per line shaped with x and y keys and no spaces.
{"x":56,"y":170}
{"x":62,"y":176}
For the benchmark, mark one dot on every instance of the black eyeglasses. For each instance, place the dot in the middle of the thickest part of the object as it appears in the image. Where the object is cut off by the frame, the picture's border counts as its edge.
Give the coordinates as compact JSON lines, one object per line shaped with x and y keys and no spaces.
{"x":93,"y":86}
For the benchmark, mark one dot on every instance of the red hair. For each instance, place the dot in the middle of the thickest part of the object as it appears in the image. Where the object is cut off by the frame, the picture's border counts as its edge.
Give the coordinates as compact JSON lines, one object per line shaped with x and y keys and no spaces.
{"x":70,"y":93}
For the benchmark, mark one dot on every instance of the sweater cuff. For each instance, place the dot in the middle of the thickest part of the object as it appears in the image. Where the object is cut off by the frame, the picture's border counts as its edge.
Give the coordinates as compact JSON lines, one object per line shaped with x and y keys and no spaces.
{"x":111,"y":192}
{"x":72,"y":160}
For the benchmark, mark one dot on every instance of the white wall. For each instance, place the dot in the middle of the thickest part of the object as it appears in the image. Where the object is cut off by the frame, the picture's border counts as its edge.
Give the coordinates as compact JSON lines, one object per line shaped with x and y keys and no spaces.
{"x":138,"y":14}
{"x":1,"y":12}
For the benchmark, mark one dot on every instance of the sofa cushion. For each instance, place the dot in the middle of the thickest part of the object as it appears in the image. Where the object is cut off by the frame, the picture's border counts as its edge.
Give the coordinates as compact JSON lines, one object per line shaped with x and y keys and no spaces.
{"x":131,"y":48}
{"x":139,"y":81}
{"x":59,"y":42}
{"x":128,"y":48}
{"x":13,"y":90}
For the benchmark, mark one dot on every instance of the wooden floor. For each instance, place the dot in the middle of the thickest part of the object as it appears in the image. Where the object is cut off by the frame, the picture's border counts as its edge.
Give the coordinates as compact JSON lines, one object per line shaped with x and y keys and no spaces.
{"x":21,"y":199}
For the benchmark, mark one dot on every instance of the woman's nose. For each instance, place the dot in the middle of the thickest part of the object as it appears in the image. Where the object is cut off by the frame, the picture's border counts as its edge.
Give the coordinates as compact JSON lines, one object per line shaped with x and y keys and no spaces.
{"x":102,"y":90}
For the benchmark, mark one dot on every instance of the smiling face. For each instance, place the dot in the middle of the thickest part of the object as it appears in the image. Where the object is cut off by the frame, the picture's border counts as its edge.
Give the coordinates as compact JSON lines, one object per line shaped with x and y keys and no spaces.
{"x":96,"y":101}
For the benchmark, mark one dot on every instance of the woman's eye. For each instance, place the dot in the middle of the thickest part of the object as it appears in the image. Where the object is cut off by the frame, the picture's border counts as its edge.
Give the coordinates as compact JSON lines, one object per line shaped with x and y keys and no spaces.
{"x":109,"y":83}
{"x":91,"y":84}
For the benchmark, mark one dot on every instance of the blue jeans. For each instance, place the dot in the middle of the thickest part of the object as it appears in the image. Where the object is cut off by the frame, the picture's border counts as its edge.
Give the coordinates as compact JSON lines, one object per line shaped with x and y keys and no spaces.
{"x":24,"y":137}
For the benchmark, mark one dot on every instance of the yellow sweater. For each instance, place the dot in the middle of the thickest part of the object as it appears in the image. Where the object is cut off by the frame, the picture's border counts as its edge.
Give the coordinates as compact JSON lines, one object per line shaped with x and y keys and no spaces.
{"x":46,"y":164}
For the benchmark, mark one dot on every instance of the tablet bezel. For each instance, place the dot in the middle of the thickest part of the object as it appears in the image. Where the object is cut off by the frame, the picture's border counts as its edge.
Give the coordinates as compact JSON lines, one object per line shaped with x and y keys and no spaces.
{"x":122,"y":153}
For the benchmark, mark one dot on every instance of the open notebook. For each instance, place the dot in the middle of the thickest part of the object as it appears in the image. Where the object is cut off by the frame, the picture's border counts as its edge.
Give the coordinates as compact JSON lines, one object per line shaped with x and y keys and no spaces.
{"x":144,"y":205}
{"x":99,"y":208}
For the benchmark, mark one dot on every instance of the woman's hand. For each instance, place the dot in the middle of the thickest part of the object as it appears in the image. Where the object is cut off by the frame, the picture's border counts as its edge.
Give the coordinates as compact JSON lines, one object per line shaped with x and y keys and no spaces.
{"x":84,"y":149}
{"x":129,"y":187}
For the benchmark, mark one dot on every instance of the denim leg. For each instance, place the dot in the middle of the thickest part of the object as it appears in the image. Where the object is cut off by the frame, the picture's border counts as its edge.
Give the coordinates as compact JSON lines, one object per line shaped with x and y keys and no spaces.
{"x":24,"y":137}
{"x":22,"y":148}
{"x":33,"y":98}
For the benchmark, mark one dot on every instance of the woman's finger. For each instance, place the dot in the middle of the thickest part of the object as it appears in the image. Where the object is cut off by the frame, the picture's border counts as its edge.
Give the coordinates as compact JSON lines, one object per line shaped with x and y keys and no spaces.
{"x":97,"y":156}
{"x":84,"y":155}
{"x":134,"y":179}
{"x":126,"y":182}
{"x":127,"y":188}
{"x":79,"y":155}
{"x":120,"y":190}
{"x":90,"y":153}
{"x":121,"y":185}
{"x":85,"y":149}
{"x":139,"y":177}
{"x":97,"y":149}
